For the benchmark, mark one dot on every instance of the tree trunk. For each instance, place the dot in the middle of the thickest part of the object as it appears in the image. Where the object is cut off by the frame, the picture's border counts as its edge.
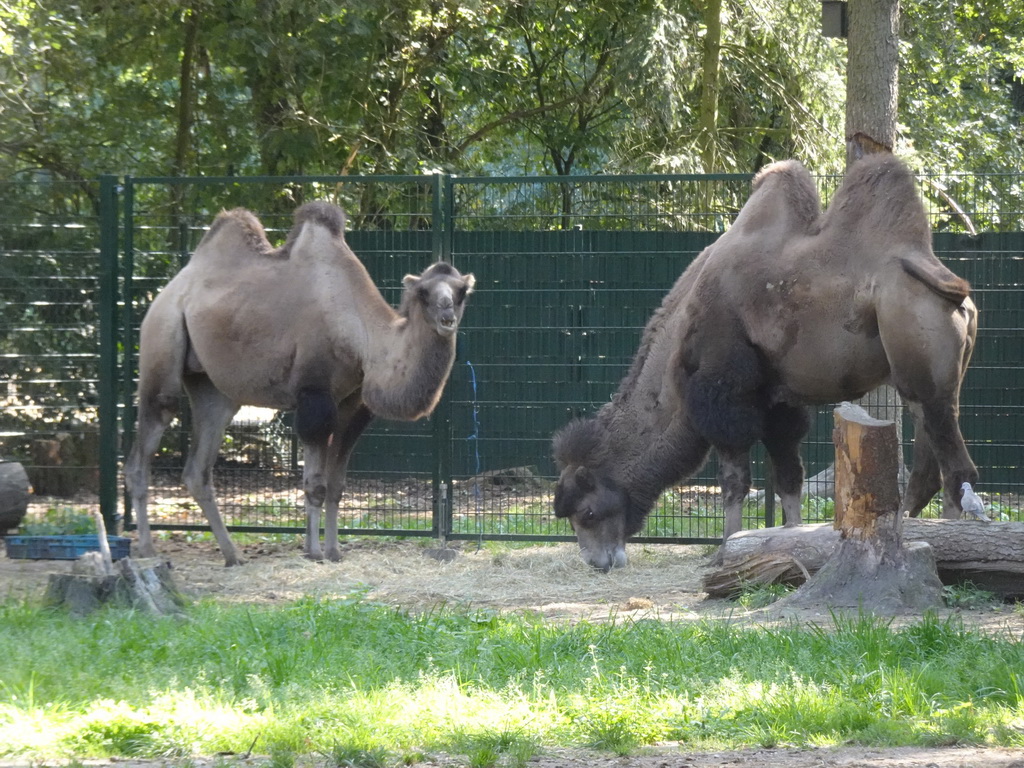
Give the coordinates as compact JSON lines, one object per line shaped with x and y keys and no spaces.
{"x":183,"y":138}
{"x":186,"y":94}
{"x":872,"y":68}
{"x":870,"y":569}
{"x":707,"y":124}
{"x":872,"y":89}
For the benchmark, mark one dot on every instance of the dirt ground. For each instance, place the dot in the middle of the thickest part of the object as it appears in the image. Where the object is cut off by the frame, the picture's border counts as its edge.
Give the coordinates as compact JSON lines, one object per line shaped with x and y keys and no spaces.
{"x":661,"y":581}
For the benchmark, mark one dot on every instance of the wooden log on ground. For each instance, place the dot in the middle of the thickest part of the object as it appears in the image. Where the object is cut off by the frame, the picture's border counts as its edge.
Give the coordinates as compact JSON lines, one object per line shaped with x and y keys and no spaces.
{"x":144,"y":585}
{"x":988,"y":555}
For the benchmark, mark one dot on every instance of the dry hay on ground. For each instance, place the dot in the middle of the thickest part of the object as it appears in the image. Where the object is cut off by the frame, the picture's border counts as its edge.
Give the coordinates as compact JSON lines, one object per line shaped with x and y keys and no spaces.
{"x":661,"y":581}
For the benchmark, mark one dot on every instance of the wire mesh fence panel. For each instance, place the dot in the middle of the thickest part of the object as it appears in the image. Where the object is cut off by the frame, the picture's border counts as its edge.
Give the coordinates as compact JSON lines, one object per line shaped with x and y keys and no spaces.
{"x":570,"y":272}
{"x":992,"y":401}
{"x":49,"y":346}
{"x":258,"y":474}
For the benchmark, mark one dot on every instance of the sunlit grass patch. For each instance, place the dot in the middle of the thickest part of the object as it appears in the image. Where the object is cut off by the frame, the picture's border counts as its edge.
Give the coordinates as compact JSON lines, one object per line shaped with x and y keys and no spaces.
{"x":356,"y":682}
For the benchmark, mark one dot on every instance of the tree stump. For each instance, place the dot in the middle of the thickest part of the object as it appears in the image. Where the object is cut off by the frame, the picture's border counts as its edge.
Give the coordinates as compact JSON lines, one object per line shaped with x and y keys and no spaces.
{"x":13,"y":495}
{"x":872,"y":568}
{"x":144,"y":585}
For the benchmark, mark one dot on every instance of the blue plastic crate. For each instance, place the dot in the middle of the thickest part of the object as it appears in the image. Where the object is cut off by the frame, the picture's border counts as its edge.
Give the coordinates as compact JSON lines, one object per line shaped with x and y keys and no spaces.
{"x":63,"y":547}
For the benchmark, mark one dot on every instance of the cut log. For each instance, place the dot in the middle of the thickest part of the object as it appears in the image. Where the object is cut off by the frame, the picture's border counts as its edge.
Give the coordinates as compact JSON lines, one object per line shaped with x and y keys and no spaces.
{"x":988,"y":555}
{"x":144,"y":585}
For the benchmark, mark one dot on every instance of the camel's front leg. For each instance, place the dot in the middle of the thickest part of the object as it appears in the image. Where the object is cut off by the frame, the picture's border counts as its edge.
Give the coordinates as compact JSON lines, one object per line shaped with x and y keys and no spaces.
{"x":734,"y":477}
{"x":354,"y":417}
{"x":315,"y":457}
{"x":785,"y":427}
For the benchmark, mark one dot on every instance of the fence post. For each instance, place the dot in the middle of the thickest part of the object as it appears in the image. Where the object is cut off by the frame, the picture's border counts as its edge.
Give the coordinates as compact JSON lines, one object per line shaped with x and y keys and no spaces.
{"x":441,"y":251}
{"x":127,"y":327}
{"x":108,"y":378}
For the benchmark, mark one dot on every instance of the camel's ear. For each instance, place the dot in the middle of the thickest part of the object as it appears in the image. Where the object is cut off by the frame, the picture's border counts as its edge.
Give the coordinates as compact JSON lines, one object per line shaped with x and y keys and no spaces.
{"x":585,"y":479}
{"x":412,"y":283}
{"x":468,"y":281}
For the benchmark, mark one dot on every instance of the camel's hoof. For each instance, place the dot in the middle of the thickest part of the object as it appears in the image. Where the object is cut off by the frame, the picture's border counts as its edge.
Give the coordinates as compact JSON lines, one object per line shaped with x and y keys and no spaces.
{"x":316,"y":557}
{"x":334,"y":556}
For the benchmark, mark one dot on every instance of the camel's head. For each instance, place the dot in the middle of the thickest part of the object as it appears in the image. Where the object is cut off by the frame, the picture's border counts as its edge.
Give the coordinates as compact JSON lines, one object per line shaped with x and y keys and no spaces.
{"x":440,"y":293}
{"x":589,"y":497}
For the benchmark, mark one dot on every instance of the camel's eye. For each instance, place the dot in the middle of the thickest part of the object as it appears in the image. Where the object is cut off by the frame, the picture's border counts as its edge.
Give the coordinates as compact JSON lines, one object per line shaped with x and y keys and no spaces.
{"x":587,"y":516}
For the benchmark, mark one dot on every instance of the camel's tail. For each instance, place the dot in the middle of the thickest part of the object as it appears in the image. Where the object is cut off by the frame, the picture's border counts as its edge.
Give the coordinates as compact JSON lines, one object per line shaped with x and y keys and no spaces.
{"x":938,"y":278}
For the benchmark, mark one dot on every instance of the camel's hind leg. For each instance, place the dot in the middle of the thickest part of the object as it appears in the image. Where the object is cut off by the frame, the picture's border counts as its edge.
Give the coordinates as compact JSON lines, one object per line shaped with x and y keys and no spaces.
{"x":155,"y":413}
{"x":212,"y":411}
{"x":927,"y":368}
{"x":925,"y":478}
{"x":940,"y":460}
{"x":353,"y":418}
{"x":163,"y":344}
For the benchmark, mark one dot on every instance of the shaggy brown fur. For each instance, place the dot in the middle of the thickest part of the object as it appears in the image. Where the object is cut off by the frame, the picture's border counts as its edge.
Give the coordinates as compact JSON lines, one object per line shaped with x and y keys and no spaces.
{"x":790,"y":307}
{"x":301,"y":327}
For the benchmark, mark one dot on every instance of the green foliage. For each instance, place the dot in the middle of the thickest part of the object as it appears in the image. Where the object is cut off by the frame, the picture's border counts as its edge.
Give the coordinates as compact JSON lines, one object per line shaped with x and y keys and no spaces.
{"x":406,"y":86}
{"x":962,"y":82}
{"x":488,"y":748}
{"x":59,"y":521}
{"x":818,"y":509}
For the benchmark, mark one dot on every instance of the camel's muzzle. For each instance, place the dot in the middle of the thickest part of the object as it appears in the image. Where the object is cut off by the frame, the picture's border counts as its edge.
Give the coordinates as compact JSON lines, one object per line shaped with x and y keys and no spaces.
{"x":447,"y":325}
{"x":604,"y":559}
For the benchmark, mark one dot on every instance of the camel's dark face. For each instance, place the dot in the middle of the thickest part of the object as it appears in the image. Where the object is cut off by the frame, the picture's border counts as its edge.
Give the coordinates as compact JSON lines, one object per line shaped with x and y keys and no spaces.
{"x":596,"y":508}
{"x":441,"y":292}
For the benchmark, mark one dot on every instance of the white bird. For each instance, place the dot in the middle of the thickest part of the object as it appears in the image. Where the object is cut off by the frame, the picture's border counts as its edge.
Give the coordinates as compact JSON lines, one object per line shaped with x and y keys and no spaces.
{"x":972,"y":503}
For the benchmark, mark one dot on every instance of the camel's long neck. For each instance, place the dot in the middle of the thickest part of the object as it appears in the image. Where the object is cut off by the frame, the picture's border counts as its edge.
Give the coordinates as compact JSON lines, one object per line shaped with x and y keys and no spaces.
{"x":653,"y":452}
{"x":654,"y":442}
{"x":406,"y":371}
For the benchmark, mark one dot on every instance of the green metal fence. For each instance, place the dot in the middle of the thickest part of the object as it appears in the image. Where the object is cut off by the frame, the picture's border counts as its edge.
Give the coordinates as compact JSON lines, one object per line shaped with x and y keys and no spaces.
{"x":51,"y":298}
{"x":568,"y":272}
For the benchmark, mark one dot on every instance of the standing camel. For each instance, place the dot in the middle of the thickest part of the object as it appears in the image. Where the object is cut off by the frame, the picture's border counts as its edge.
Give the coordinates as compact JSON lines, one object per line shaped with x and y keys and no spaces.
{"x":301,"y":327}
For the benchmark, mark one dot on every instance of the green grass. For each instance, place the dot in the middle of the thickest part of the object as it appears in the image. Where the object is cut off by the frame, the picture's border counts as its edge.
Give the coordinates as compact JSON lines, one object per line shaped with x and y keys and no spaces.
{"x":755,"y":596}
{"x":368,"y":685}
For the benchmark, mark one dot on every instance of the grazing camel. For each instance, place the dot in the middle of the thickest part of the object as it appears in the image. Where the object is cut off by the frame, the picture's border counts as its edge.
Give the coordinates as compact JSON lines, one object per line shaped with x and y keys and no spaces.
{"x":301,"y":327}
{"x":789,"y":308}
